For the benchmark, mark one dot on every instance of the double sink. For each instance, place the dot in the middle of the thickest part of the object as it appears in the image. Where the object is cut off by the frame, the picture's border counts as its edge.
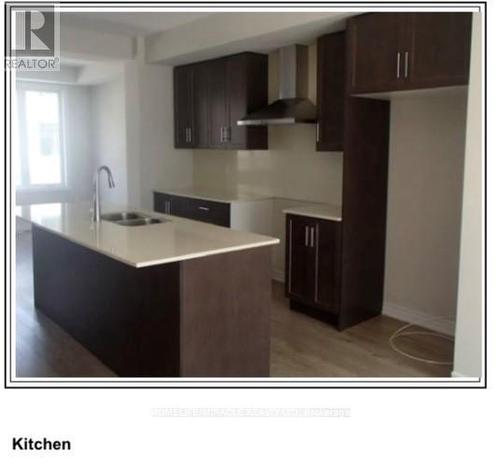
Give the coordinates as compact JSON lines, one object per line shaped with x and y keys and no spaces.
{"x":131,"y":219}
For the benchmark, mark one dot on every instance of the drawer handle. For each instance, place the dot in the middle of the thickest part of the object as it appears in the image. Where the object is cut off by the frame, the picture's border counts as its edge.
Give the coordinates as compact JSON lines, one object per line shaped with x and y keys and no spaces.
{"x":316,"y":265}
{"x":203,"y":208}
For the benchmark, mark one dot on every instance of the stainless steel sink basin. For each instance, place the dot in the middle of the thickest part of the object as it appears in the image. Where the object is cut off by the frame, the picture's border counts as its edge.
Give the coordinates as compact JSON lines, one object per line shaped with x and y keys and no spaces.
{"x":126,"y":218}
{"x":114,"y":217}
{"x":144,"y":221}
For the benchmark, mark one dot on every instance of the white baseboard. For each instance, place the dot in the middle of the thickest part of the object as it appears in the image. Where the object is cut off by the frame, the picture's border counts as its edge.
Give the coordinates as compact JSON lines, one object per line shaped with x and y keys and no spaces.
{"x":401,"y":313}
{"x":279,"y":275}
{"x":418,"y":317}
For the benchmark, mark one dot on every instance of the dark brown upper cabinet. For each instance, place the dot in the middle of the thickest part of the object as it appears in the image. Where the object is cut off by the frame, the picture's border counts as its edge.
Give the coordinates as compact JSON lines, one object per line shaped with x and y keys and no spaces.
{"x":190,"y":106}
{"x":404,"y":51}
{"x":237,"y":85}
{"x":440,"y":49}
{"x":214,"y":97}
{"x":330,"y":92}
{"x":184,"y":106}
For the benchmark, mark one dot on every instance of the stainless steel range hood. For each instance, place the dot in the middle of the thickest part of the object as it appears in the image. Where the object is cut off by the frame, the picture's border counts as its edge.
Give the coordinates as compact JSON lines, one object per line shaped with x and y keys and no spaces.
{"x":293,"y":106}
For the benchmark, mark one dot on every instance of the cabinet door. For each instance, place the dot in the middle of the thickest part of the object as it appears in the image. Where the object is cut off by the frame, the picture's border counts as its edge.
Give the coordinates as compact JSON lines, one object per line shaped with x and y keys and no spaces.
{"x":439,"y":50}
{"x":374,"y":52}
{"x":183,"y":106}
{"x":331,"y":92}
{"x":246,"y":81}
{"x":201,"y":105}
{"x":327,"y":262}
{"x":300,"y":258}
{"x":159,"y":202}
{"x":217,"y":102}
{"x":167,"y":204}
{"x":237,"y":99}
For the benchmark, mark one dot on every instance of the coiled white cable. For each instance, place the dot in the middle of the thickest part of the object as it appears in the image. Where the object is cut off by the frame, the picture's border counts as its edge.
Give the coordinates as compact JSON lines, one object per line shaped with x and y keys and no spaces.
{"x":401,"y":332}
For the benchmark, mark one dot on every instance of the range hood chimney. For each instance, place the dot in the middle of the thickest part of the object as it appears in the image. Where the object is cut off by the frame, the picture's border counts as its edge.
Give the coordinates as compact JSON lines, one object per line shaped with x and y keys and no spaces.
{"x":293,"y":106}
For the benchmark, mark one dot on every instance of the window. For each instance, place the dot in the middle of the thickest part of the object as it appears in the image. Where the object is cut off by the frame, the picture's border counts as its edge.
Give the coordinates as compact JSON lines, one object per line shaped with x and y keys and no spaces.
{"x":39,"y":160}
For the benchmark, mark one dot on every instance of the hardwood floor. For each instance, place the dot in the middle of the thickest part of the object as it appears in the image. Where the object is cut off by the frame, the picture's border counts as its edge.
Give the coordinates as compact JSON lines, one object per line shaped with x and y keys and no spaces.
{"x":300,"y":346}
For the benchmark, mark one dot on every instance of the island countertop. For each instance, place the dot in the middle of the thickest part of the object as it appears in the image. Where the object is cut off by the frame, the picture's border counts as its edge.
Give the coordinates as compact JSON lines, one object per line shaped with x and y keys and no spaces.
{"x":176,"y":239}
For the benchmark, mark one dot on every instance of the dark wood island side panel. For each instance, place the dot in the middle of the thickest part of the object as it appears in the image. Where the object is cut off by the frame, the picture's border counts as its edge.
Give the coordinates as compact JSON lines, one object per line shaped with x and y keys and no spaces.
{"x":202,"y":317}
{"x":226,"y":314}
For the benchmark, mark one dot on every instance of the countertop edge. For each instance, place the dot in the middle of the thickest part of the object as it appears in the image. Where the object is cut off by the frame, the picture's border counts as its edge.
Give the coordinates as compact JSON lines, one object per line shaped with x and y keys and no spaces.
{"x":313,"y":215}
{"x":158,"y":262}
{"x":207,"y":253}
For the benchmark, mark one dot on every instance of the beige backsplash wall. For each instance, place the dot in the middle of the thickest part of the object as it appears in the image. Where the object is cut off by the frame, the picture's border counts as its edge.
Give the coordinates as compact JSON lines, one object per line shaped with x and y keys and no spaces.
{"x":427,"y":145}
{"x":291,"y":168}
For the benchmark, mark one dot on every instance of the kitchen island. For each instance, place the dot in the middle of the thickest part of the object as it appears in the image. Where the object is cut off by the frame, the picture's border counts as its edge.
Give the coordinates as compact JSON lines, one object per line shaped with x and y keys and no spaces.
{"x":174,"y":298}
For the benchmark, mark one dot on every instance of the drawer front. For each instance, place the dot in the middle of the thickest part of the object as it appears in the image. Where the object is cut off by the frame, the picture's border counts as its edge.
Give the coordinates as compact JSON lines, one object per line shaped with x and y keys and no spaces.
{"x":212,"y":212}
{"x":203,"y":210}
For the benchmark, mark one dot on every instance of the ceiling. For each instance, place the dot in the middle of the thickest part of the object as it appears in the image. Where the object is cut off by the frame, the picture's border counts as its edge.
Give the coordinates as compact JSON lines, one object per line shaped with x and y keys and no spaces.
{"x":129,"y":23}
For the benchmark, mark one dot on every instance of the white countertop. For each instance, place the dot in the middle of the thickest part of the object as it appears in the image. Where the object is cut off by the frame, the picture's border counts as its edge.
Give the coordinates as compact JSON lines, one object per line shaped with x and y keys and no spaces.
{"x":177,"y":239}
{"x":320,"y":211}
{"x":223,"y":196}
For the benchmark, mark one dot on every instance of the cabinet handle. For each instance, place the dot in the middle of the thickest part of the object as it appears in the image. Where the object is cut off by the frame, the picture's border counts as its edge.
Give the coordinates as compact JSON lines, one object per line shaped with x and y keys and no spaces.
{"x":406,"y":65}
{"x":204,"y":208}
{"x":290,"y":257}
{"x":307,"y":236}
{"x":316,"y":265}
{"x":222,"y":134}
{"x":167,"y":206}
{"x":317,"y":132}
{"x":312,"y":237}
{"x":398,"y":65}
{"x":189,"y":133}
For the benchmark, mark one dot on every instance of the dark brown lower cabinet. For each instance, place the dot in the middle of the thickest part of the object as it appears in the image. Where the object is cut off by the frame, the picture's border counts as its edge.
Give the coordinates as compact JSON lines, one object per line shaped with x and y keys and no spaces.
{"x":312,"y":264}
{"x":213,"y":212}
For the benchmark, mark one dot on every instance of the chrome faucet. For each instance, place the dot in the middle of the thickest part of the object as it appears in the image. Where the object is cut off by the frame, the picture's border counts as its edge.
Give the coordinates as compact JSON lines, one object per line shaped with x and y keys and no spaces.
{"x":96,"y":202}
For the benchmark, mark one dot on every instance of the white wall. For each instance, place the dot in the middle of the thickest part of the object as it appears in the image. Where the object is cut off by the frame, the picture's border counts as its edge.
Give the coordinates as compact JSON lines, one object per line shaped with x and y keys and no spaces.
{"x":424,"y":206}
{"x":83,"y":43}
{"x":469,"y":334}
{"x":134,"y":133}
{"x":153,"y":161}
{"x":78,"y":150}
{"x":109,"y":137}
